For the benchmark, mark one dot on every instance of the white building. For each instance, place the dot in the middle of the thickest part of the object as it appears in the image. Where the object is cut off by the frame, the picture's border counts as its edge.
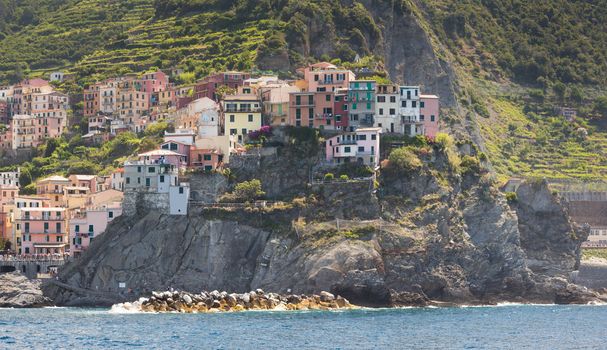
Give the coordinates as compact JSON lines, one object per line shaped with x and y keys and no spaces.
{"x":410,"y":111}
{"x":387,"y":108}
{"x":361,"y":146}
{"x":57,"y":76}
{"x":10,"y":178}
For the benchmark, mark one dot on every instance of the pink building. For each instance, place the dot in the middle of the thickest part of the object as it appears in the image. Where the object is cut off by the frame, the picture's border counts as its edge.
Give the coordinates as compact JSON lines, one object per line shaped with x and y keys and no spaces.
{"x":325,"y":76}
{"x":205,"y":159}
{"x":89,"y":223}
{"x":361,"y":146}
{"x":42,"y":230}
{"x":207,"y":87}
{"x":177,"y":147}
{"x":312,"y":109}
{"x":429,"y":113}
{"x":88,"y":181}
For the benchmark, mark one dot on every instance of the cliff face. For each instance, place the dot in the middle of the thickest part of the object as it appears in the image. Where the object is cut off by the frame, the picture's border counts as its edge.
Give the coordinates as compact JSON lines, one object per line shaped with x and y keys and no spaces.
{"x":419,"y":238}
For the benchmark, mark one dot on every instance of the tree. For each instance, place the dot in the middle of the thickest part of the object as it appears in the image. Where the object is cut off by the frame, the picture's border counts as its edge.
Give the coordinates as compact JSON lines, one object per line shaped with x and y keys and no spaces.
{"x":600,"y":106}
{"x":248,"y":191}
{"x":404,"y":159}
{"x":560,"y":90}
{"x":577,"y":95}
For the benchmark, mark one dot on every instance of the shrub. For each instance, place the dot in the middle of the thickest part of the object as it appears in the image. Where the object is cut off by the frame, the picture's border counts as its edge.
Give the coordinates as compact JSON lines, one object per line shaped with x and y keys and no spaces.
{"x":248,"y":191}
{"x":329,"y":177}
{"x":511,"y":197}
{"x":444,"y":141}
{"x":470,"y":165}
{"x":344,"y":178}
{"x":404,"y":159}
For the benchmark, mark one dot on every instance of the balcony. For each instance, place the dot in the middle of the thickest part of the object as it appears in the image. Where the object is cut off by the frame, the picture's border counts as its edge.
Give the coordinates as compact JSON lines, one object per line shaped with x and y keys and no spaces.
{"x":242,"y":110}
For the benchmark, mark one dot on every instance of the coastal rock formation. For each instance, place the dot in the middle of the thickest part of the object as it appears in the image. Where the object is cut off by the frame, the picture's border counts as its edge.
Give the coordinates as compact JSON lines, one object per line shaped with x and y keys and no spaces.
{"x":215,"y":301}
{"x":18,"y":291}
{"x":542,"y":221}
{"x":428,"y":234}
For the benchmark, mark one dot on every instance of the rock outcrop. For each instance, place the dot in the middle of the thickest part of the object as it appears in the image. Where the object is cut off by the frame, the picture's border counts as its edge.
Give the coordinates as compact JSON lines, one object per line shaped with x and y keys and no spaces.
{"x":17,"y":291}
{"x":429,"y":235}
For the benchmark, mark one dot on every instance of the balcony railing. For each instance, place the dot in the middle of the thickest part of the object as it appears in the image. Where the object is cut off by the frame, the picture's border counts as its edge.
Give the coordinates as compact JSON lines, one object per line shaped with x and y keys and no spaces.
{"x":242,"y":110}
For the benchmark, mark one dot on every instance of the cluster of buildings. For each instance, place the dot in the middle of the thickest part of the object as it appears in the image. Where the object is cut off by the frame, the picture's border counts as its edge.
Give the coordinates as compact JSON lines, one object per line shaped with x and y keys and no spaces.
{"x":214,"y":119}
{"x":31,"y":112}
{"x":64,"y":216}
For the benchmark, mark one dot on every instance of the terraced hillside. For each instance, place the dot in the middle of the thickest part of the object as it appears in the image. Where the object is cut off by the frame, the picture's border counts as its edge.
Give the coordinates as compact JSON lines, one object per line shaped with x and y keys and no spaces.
{"x":500,"y":66}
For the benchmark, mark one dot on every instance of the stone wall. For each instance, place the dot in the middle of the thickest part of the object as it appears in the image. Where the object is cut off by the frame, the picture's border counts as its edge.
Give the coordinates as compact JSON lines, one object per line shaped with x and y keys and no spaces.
{"x":207,"y":188}
{"x":142,"y":202}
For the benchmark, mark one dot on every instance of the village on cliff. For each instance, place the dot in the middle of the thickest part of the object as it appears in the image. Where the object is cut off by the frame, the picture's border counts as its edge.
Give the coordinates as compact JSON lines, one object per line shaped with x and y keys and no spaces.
{"x":220,"y":117}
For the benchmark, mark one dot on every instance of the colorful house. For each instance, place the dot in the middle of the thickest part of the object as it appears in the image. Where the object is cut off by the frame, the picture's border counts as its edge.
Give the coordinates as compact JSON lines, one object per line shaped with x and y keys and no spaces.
{"x":324,"y":76}
{"x":361,"y":99}
{"x":387,"y":108}
{"x":241,"y":115}
{"x":361,"y":146}
{"x":42,"y":230}
{"x":207,"y":87}
{"x":53,"y":189}
{"x":429,"y":114}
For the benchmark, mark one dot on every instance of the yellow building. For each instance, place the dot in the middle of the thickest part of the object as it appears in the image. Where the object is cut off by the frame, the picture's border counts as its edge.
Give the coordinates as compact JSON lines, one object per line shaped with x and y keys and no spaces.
{"x":52,"y":188}
{"x":242,"y":114}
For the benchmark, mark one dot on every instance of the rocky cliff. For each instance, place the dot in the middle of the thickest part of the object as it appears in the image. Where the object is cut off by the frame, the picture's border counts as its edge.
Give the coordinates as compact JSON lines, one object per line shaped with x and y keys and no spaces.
{"x":430,"y":233}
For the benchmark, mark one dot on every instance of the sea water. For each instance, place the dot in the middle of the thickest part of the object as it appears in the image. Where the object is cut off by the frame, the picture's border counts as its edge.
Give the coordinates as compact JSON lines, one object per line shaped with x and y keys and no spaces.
{"x":497,"y":327}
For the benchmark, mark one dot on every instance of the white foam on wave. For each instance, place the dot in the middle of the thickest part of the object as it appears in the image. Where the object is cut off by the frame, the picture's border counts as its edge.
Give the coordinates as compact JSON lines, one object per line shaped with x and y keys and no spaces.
{"x":126,"y":308}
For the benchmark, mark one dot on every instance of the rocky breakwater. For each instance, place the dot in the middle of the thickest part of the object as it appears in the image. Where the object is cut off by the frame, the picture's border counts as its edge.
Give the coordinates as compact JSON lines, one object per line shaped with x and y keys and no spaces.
{"x":215,"y":301}
{"x":17,"y":291}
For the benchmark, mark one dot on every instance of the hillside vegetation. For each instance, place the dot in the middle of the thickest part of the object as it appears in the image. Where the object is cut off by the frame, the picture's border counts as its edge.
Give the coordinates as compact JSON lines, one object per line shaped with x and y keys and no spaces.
{"x":514,"y":60}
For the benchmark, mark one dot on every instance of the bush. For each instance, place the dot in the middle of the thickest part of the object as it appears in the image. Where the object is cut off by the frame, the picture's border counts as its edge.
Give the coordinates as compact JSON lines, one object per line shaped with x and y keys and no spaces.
{"x":511,"y":197}
{"x":470,"y":165}
{"x":344,"y":178}
{"x":404,"y":159}
{"x":329,"y":177}
{"x":248,"y":190}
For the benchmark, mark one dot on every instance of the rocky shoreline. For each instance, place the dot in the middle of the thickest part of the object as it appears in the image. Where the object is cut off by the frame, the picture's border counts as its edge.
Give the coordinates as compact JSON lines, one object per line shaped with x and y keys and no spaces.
{"x":17,"y":291}
{"x":215,"y":301}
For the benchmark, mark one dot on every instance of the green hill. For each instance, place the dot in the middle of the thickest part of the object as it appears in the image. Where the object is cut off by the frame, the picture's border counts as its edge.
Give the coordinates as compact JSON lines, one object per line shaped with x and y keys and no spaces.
{"x":501,"y":67}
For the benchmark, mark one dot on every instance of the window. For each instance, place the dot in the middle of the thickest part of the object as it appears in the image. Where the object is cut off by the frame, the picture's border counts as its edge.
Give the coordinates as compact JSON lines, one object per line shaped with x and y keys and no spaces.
{"x":91,"y":228}
{"x":244,"y":131}
{"x":152,"y":170}
{"x":404,"y":104}
{"x":392,"y":111}
{"x":173,"y":146}
{"x":381,"y":111}
{"x":361,"y":148}
{"x":298,"y":114}
{"x":421,"y":117}
{"x":414,"y":104}
{"x":110,"y":214}
{"x":147,"y":182}
{"x":128,"y":180}
{"x":393,"y":99}
{"x":381,"y":98}
{"x":207,"y":157}
{"x":311,"y":99}
{"x":422,"y":104}
{"x":180,"y":190}
{"x":138,"y":169}
{"x":58,"y":227}
{"x":354,"y":106}
{"x":432,"y":118}
{"x":77,"y":228}
{"x":362,"y":137}
{"x":231,"y":118}
{"x":161,"y":180}
{"x":298,"y":100}
{"x":59,"y":239}
{"x":250,"y":118}
{"x":347,"y":149}
{"x":233,"y":131}
{"x":374,"y":137}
